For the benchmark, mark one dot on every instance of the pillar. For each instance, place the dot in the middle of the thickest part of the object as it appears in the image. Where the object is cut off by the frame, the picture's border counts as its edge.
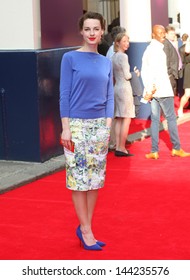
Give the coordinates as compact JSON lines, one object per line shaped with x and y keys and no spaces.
{"x":135,"y":16}
{"x":184,"y":8}
{"x":138,"y":17}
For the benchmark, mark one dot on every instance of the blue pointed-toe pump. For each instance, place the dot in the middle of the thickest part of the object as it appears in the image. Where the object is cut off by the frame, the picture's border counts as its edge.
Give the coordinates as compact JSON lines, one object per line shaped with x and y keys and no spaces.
{"x":94,"y":247}
{"x":100,"y":243}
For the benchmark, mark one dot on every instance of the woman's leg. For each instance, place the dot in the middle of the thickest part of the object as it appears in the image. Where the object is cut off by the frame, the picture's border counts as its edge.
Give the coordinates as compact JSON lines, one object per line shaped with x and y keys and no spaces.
{"x":125,"y":123}
{"x":117,"y":132}
{"x":183,"y":101}
{"x":121,"y":133}
{"x":91,"y":203}
{"x":84,"y":203}
{"x":92,"y":197}
{"x":112,"y":136}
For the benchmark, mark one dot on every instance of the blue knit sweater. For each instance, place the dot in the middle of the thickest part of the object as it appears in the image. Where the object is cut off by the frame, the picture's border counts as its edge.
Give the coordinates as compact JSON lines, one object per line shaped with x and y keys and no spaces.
{"x":86,"y":86}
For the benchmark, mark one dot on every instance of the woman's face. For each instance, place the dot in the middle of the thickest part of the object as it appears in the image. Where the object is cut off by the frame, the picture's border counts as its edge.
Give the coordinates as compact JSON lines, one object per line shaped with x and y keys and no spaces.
{"x":92,"y":31}
{"x":124,"y":44}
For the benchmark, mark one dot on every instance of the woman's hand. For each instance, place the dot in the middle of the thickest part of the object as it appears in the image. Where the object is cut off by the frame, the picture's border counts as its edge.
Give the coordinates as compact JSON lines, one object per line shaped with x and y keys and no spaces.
{"x":66,"y":140}
{"x":108,"y":122}
{"x":66,"y":137}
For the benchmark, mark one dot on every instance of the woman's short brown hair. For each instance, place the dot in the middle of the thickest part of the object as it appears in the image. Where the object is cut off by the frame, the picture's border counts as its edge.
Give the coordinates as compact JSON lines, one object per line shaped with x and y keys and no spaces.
{"x":92,"y":15}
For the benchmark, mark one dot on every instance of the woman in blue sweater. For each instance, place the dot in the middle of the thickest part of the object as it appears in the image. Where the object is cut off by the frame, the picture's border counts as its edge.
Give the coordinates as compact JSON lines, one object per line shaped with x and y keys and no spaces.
{"x":86,"y":109}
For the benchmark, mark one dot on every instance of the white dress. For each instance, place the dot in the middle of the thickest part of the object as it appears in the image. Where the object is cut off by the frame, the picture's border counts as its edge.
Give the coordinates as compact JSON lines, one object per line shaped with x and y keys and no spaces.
{"x":123,"y":95}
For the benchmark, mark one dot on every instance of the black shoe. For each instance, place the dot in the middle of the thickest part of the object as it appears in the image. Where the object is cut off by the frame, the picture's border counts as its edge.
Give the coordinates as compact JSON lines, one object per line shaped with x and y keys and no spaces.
{"x":123,"y":154}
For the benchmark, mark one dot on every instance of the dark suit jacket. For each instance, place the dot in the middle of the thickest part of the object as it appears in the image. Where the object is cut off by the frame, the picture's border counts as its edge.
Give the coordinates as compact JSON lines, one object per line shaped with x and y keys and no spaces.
{"x":172,"y":59}
{"x":185,"y":58}
{"x":182,"y":53}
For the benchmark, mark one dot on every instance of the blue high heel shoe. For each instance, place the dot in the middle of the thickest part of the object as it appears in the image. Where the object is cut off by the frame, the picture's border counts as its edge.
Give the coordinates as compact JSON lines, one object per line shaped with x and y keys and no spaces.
{"x":100,"y":243}
{"x":94,"y":247}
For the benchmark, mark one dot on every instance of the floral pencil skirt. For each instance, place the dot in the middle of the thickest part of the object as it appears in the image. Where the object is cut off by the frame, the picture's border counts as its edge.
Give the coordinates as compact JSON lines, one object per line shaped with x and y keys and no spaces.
{"x":86,"y":166}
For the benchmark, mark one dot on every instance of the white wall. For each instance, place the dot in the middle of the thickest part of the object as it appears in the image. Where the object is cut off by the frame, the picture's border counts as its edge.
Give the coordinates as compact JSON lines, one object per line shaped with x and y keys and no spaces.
{"x":20,"y":24}
{"x":173,"y":9}
{"x":182,"y":7}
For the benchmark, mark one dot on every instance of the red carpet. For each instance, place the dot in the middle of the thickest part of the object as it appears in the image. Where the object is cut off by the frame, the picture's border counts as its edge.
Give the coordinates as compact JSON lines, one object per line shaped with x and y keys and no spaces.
{"x":143,"y":212}
{"x":138,"y":125}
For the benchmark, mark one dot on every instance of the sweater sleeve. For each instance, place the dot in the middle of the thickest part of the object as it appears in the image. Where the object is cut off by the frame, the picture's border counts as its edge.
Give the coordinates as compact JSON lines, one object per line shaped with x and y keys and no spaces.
{"x":66,"y":74}
{"x":110,"y":96}
{"x":125,"y":66}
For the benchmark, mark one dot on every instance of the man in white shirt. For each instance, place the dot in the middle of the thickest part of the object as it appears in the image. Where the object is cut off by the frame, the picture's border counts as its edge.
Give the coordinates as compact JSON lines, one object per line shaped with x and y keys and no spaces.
{"x":158,"y":91}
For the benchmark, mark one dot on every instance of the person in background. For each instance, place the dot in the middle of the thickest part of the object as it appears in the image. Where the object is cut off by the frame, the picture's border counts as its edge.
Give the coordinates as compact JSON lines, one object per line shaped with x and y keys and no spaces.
{"x":184,"y":38}
{"x":185,"y":56}
{"x":177,"y":41}
{"x":180,"y":80}
{"x":116,"y":21}
{"x":103,"y":47}
{"x":114,"y":32}
{"x":108,"y":36}
{"x":174,"y":63}
{"x":159,"y":92}
{"x":86,"y":110}
{"x":124,"y":103}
